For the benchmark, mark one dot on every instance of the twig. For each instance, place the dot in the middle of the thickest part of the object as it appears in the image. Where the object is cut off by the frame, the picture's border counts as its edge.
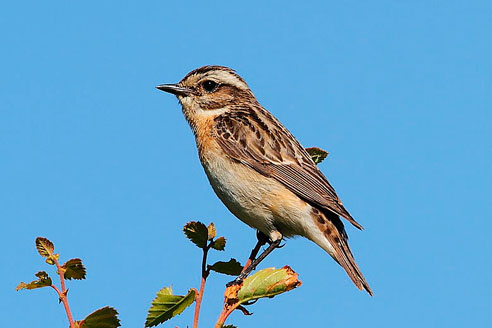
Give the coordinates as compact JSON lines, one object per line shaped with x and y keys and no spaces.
{"x":223,"y":316}
{"x":199,"y":296}
{"x":262,"y":240}
{"x":253,"y":254}
{"x":230,"y":307}
{"x":230,"y":296}
{"x":63,"y":293}
{"x":230,"y":304}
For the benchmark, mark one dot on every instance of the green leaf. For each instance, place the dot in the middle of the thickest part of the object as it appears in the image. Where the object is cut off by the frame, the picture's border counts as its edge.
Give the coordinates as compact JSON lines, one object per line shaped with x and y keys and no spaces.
{"x":212,"y":232}
{"x":267,"y":283}
{"x":219,"y":244}
{"x":232,"y":267}
{"x":317,"y":154}
{"x":229,"y":326}
{"x":197,"y":232}
{"x":43,"y":281}
{"x":166,"y":305}
{"x":107,"y":317}
{"x":44,"y":247}
{"x":74,"y":269}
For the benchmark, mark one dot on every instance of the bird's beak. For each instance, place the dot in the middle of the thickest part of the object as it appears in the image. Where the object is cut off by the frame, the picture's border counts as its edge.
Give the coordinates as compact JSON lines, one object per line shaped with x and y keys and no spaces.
{"x":175,"y":89}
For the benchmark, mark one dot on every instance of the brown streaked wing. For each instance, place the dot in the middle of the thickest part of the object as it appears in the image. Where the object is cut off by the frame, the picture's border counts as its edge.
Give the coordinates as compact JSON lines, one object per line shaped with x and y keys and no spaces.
{"x":255,"y":138}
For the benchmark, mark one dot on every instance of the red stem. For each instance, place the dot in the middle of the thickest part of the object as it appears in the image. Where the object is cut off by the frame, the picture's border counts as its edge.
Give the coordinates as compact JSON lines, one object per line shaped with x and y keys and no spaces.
{"x":56,"y":289}
{"x":248,"y":263}
{"x":229,"y":308}
{"x":253,"y":254}
{"x":199,"y":296}
{"x":224,"y":314}
{"x":63,"y":293}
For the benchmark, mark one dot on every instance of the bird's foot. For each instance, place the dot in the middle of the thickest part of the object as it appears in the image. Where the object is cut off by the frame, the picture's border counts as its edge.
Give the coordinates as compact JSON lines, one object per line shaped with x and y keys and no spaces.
{"x":281,"y":246}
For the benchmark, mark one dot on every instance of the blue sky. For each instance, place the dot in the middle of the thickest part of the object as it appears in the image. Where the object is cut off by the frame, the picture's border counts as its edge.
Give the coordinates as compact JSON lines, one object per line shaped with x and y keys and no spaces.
{"x":96,"y":159}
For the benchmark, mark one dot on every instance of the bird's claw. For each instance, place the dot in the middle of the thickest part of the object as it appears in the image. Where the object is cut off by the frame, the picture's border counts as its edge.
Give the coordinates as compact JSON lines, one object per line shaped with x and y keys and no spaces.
{"x":278,"y":246}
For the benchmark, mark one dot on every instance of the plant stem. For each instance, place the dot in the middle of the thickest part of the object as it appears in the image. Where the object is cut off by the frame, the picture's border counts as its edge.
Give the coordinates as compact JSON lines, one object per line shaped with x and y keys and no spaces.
{"x":199,"y":296}
{"x":226,"y":311}
{"x":63,"y":293}
{"x":198,"y":303}
{"x":229,"y":308}
{"x":261,"y":241}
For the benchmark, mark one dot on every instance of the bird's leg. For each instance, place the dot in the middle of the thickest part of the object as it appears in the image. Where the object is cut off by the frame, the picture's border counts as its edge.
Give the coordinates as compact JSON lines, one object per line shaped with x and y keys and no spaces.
{"x":262,"y":240}
{"x":255,"y":262}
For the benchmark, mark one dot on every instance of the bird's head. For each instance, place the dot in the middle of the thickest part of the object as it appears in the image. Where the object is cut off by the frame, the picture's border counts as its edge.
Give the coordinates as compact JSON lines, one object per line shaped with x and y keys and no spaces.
{"x":210,"y":91}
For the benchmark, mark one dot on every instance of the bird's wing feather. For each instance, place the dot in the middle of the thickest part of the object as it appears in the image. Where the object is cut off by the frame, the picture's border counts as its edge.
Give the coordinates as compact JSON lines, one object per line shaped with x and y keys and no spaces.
{"x":255,"y":138}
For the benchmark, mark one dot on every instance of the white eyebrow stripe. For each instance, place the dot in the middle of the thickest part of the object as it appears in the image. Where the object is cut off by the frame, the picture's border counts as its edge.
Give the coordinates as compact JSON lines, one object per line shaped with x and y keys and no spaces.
{"x":228,"y":78}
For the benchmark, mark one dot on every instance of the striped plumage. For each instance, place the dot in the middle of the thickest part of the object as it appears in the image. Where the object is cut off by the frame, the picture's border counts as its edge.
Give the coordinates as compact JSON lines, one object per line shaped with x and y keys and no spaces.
{"x":258,"y":168}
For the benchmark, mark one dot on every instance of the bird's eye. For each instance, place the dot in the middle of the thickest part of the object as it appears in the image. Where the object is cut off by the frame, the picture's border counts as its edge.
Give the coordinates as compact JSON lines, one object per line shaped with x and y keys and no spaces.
{"x":209,"y":85}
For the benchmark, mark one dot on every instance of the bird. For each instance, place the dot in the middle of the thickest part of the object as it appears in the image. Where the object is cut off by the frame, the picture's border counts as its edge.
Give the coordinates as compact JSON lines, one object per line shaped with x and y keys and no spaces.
{"x":259,"y":170}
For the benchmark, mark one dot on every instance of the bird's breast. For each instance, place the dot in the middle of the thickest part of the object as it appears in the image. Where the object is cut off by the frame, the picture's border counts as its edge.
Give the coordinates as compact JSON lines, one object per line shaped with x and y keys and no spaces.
{"x":261,"y":202}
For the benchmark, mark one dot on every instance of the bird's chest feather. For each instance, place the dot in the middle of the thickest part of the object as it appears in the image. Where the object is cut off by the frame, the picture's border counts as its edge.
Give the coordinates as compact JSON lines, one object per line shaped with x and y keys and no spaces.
{"x":259,"y":201}
{"x":241,"y":189}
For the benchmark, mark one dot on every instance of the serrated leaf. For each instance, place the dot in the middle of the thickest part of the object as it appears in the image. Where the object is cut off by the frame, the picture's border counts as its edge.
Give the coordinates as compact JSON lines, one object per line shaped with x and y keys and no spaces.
{"x":197,"y":232}
{"x":212,"y":232}
{"x":43,"y":280}
{"x":74,"y":269}
{"x":268,"y":283}
{"x":44,"y":246}
{"x":107,"y":317}
{"x":219,"y":244}
{"x":166,"y":305}
{"x":317,"y":154}
{"x":231,"y":267}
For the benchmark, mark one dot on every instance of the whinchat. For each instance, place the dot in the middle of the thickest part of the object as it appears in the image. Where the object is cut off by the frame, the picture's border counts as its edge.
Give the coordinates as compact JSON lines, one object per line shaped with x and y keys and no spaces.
{"x":258,"y":169}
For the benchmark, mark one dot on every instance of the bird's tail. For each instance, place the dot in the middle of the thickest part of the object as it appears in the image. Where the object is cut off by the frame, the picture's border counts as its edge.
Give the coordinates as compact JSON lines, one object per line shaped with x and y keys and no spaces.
{"x":334,"y":241}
